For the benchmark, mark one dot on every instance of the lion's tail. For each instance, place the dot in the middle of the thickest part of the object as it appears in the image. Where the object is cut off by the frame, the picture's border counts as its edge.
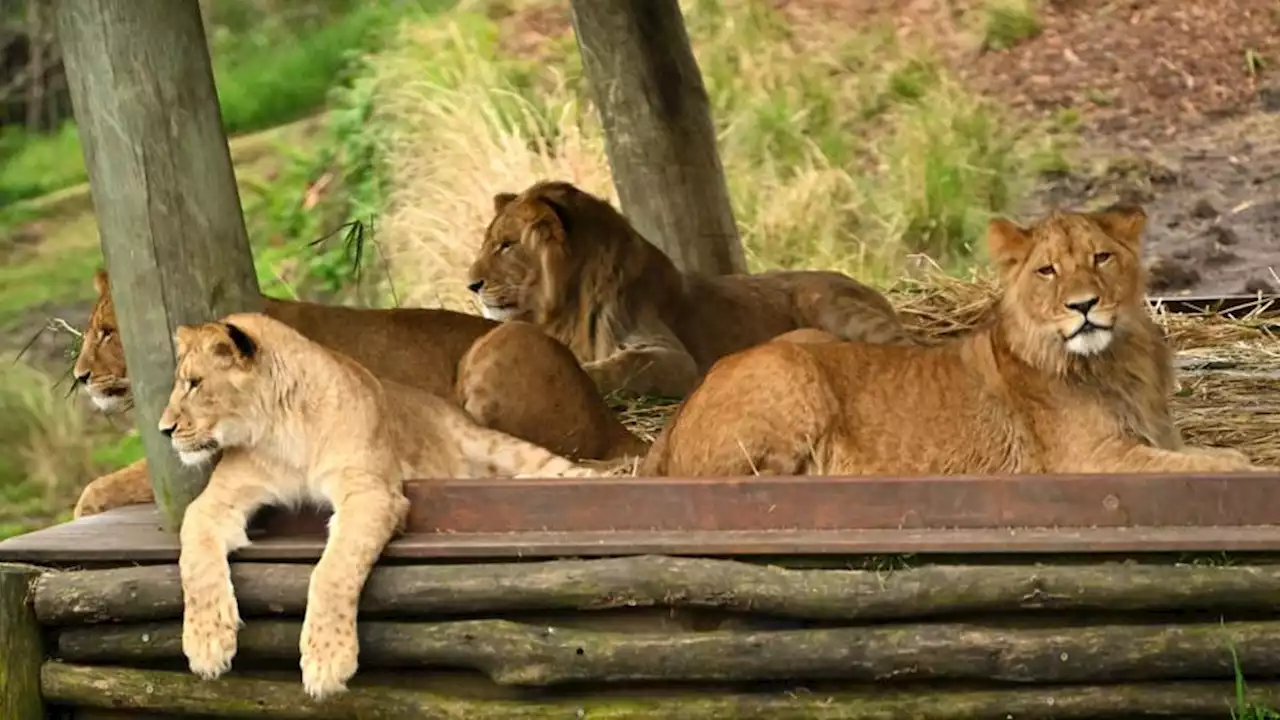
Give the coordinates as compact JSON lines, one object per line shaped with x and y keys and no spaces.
{"x":861,"y":319}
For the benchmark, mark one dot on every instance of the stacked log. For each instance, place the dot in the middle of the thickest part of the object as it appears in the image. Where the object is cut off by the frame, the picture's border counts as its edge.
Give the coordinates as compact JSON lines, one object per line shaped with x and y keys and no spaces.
{"x":650,"y":636}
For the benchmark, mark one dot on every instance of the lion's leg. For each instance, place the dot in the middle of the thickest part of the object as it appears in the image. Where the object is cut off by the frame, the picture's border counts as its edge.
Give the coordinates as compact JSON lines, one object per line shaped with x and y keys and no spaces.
{"x":130,"y":485}
{"x":489,"y":453}
{"x":761,"y":412}
{"x":518,"y":380}
{"x":1138,"y":458}
{"x":366,"y":515}
{"x":213,"y":526}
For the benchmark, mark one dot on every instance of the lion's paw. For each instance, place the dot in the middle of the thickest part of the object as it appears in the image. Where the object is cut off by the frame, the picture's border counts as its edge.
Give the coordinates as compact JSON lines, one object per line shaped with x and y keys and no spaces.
{"x":209,"y":626}
{"x":92,"y":502}
{"x":330,"y":657}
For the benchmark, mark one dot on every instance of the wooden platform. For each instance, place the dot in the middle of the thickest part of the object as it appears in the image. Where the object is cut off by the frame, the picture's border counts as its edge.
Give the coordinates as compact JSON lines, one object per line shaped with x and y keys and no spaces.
{"x":599,"y":517}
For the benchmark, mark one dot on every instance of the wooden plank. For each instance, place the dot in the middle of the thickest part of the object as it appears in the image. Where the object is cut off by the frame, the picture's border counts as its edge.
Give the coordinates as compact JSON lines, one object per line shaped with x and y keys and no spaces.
{"x":164,"y":193}
{"x":21,"y":648}
{"x":659,"y":136}
{"x":151,"y":593}
{"x":134,"y":534}
{"x":827,"y":503}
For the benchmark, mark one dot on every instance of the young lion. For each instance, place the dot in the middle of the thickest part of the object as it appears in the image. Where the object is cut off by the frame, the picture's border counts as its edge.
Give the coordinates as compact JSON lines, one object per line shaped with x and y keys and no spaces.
{"x":296,"y":422}
{"x":1070,"y":375}
{"x":568,"y":262}
{"x":511,"y":377}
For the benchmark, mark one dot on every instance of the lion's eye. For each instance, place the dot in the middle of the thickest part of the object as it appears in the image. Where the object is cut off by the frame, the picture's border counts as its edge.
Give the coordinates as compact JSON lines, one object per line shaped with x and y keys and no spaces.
{"x":192,"y":383}
{"x":1101,"y":258}
{"x":505,"y":245}
{"x":105,"y":333}
{"x":1046,"y":271}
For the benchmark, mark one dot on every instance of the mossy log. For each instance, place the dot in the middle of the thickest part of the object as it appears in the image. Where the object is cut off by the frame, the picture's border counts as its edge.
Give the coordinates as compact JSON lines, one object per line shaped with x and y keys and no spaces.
{"x":154,"y":593}
{"x":21,"y":649}
{"x":519,"y":654}
{"x":249,"y":697}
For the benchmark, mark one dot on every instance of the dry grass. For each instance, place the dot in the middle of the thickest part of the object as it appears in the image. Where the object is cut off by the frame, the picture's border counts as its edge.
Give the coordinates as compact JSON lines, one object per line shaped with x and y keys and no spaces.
{"x":842,"y":151}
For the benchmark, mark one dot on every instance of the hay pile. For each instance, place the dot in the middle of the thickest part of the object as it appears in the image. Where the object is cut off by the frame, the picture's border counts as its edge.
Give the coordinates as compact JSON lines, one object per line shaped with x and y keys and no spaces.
{"x":1228,"y":369}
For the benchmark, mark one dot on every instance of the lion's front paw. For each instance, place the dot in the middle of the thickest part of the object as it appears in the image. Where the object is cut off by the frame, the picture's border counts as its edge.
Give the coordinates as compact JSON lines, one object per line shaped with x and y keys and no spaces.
{"x":1225,"y":459}
{"x":93,"y":500}
{"x":330,"y":657}
{"x":209,"y":626}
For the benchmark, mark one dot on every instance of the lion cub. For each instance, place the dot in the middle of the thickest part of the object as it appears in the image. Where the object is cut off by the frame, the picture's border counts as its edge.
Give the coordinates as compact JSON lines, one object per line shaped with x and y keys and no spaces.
{"x":1070,"y":375}
{"x":296,"y":422}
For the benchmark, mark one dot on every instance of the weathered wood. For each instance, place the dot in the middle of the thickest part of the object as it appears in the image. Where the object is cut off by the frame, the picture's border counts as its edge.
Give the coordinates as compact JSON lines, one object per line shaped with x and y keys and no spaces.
{"x":251,"y":697}
{"x":164,"y":193}
{"x":659,"y":136}
{"x":133,"y":534}
{"x":520,"y":654}
{"x":135,"y":594}
{"x":21,"y":650}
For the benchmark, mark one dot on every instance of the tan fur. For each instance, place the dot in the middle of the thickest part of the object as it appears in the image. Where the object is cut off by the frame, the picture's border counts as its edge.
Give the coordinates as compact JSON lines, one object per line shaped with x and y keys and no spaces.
{"x":1018,"y":395}
{"x":570,"y":263}
{"x":517,"y":381}
{"x":296,"y":422}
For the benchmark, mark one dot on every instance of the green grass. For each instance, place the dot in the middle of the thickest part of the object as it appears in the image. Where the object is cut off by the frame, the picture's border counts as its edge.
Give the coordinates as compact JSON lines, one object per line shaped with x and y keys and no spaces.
{"x":1009,"y":22}
{"x":267,"y":74}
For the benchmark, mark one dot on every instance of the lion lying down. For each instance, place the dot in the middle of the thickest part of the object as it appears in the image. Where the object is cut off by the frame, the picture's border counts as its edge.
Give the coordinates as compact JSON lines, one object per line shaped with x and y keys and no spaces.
{"x":509,"y":377}
{"x":1070,"y":375}
{"x":296,"y":422}
{"x":569,"y":262}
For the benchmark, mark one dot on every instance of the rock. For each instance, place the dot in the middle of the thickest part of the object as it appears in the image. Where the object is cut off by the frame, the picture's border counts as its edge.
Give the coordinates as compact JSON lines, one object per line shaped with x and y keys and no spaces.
{"x":1259,"y":286}
{"x":1169,"y":275}
{"x":1204,"y":210}
{"x":1222,"y":235}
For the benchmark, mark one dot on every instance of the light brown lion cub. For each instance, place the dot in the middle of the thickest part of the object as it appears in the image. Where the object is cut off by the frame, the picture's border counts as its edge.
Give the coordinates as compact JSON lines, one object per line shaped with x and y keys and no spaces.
{"x":509,"y":376}
{"x":1070,"y":375}
{"x":296,"y":422}
{"x":570,"y":263}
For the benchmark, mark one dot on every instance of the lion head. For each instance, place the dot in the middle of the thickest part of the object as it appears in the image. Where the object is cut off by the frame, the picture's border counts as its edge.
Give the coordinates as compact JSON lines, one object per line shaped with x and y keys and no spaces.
{"x":1073,"y":283}
{"x":553,"y":251}
{"x":100,"y":366}
{"x":215,"y":386}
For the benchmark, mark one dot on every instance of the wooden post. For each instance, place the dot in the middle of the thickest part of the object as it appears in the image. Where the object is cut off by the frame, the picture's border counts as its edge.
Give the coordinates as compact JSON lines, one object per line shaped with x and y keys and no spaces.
{"x":164,"y":192}
{"x":21,"y":652}
{"x":658,"y":131}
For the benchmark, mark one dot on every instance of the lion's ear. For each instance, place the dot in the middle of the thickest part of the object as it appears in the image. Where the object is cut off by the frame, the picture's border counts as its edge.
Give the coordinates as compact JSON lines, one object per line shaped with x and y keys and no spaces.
{"x":1007,"y":244}
{"x":501,"y":201}
{"x":101,"y":284}
{"x":183,"y":337}
{"x":238,"y":346}
{"x":1122,"y":222}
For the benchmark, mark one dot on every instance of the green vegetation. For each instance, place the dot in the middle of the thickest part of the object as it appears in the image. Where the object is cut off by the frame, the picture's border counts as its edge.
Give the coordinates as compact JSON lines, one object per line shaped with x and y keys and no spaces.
{"x":1009,"y":22}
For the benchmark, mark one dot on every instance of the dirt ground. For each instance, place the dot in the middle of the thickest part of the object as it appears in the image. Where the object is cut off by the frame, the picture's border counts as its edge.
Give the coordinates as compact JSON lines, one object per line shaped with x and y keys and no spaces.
{"x":1179,"y":109}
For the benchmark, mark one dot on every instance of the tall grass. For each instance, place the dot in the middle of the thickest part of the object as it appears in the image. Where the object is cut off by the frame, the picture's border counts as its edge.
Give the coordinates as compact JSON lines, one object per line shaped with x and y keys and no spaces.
{"x":842,"y":150}
{"x":47,"y":450}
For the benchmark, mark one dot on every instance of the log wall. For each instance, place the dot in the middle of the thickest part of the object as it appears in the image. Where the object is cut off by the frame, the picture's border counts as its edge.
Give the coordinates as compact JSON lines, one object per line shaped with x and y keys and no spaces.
{"x":657,"y":636}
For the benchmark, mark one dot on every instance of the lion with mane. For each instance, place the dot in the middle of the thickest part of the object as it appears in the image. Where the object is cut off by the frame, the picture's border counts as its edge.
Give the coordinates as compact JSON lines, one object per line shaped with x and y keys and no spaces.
{"x":567,"y":261}
{"x":510,"y":377}
{"x":1069,"y":374}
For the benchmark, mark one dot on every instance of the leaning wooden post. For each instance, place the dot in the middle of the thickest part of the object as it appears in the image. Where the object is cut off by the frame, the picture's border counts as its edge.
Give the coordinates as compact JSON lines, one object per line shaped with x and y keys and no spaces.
{"x":658,"y":131}
{"x":164,"y":192}
{"x":21,"y":652}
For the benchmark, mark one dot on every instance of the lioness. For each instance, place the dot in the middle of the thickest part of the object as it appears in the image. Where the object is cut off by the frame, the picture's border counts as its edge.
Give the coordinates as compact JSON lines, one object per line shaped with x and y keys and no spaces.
{"x":511,"y":377}
{"x":1070,"y":375}
{"x":296,"y":422}
{"x":569,"y":262}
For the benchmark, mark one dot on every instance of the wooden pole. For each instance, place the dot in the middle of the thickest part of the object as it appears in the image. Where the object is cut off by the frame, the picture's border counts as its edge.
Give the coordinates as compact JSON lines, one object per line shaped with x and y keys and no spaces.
{"x":21,"y":653}
{"x":242,"y":696}
{"x":165,"y":195}
{"x":659,"y":136}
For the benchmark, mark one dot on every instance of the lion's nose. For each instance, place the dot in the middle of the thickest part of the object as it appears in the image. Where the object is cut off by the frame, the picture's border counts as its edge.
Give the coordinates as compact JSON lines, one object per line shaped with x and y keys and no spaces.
{"x":167,"y":430}
{"x":1083,"y":306}
{"x":475,"y":286}
{"x":83,"y":377}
